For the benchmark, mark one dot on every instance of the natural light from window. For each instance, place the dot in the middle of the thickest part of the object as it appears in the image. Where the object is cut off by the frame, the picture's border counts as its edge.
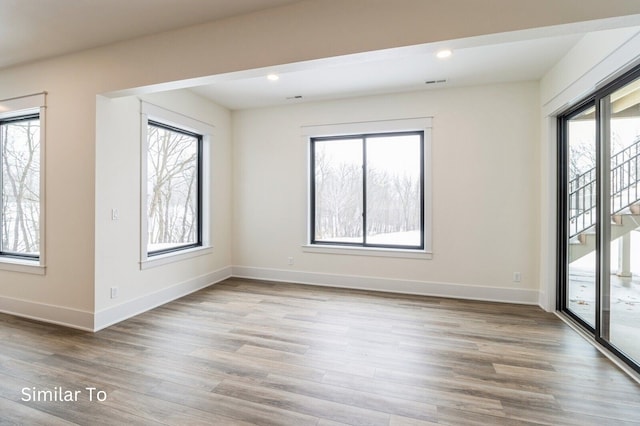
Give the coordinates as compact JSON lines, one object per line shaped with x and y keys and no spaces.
{"x":20,"y":220}
{"x":367,"y":190}
{"x":173,"y":189}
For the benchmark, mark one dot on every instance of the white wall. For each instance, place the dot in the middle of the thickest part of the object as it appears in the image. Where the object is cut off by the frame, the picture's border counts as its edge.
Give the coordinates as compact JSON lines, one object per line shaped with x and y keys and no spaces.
{"x":117,"y":260}
{"x":593,"y":62}
{"x":65,"y":293}
{"x":485,"y":192}
{"x":74,"y":284}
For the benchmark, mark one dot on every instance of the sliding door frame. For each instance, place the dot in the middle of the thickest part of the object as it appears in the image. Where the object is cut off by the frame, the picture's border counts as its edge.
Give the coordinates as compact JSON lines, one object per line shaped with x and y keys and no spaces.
{"x":600,"y":100}
{"x":563,"y":209}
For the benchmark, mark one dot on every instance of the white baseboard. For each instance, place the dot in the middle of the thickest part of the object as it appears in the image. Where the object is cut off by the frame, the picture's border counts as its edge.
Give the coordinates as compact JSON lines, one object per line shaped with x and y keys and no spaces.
{"x":86,"y":320}
{"x":68,"y":317}
{"x":389,"y":285}
{"x":121,"y":312}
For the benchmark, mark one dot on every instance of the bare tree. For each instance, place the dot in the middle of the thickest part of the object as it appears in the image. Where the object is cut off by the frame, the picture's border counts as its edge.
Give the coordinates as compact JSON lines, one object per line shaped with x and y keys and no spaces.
{"x":393,"y":200}
{"x":172,"y":182}
{"x":338,"y":200}
{"x":21,"y":186}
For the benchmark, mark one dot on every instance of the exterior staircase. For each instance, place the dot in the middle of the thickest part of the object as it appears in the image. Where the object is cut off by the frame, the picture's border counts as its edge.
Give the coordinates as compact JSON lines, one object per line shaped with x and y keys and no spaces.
{"x":625,"y":202}
{"x":622,"y":223}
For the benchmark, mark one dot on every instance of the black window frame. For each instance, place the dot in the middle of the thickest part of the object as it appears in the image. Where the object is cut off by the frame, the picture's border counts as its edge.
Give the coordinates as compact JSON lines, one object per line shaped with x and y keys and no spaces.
{"x":312,"y":184}
{"x":594,"y":100}
{"x":10,"y":254}
{"x":199,"y":173}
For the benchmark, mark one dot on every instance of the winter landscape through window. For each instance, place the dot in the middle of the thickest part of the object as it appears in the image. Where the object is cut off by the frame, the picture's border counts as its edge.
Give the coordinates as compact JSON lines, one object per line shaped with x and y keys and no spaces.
{"x":20,"y":186}
{"x":367,"y":190}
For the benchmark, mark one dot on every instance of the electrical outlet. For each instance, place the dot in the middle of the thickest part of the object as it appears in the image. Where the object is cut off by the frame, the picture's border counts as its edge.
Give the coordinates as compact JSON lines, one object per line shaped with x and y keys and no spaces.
{"x":114,"y":292}
{"x":115,"y":214}
{"x":517,"y":277}
{"x":290,"y":260}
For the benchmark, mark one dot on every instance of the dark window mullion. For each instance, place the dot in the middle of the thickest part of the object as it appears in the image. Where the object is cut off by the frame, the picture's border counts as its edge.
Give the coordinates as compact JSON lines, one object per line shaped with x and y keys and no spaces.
{"x":422,"y":177}
{"x":174,"y":129}
{"x":200,"y":173}
{"x":364,"y":190}
{"x":602,"y":170}
{"x":312,"y":207}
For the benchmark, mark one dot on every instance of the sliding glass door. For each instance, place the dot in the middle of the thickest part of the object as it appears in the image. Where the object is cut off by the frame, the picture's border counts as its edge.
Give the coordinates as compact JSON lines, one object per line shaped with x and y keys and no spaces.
{"x":599,"y":216}
{"x":620,"y":319}
{"x":581,"y":166}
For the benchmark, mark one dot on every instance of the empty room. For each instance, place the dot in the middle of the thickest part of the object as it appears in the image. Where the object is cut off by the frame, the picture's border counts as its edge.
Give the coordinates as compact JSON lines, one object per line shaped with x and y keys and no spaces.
{"x":320,"y":212}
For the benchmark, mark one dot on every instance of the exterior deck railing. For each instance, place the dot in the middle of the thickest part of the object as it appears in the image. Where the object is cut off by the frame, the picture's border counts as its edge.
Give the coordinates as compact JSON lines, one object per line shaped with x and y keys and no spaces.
{"x":625,"y":189}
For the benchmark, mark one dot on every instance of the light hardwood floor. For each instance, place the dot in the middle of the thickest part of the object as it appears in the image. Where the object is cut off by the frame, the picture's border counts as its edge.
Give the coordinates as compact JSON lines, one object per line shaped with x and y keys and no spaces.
{"x":246,"y":352}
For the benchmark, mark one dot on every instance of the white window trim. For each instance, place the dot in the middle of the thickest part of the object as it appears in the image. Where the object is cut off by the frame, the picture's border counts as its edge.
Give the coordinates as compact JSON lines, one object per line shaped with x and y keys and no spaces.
{"x":367,"y":251}
{"x":153,"y":112}
{"x":15,"y":107}
{"x":379,"y":126}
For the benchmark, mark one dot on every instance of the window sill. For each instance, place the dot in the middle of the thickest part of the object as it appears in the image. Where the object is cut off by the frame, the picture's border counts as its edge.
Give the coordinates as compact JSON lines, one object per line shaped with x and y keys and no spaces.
{"x":164,"y":259}
{"x":21,"y":265}
{"x":368,"y":251}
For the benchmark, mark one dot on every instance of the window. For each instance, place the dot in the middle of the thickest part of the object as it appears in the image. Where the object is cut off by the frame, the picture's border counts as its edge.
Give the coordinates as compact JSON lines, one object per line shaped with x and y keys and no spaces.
{"x":20,"y":141}
{"x":369,"y":190}
{"x":174,"y":191}
{"x":175,"y":186}
{"x":21,"y":209}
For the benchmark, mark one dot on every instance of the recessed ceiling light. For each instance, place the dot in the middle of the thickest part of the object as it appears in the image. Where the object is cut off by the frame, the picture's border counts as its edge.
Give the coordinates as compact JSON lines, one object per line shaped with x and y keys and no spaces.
{"x":273,"y":77}
{"x":442,"y":54}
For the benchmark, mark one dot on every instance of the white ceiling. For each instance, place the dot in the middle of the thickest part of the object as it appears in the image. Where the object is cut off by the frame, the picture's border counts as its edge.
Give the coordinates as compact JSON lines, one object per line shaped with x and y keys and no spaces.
{"x":35,"y":29}
{"x":525,"y":55}
{"x":475,"y":61}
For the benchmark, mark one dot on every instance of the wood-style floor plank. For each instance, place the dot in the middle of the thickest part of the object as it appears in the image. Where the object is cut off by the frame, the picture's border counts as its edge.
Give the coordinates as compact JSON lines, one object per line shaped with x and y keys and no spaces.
{"x":248,"y":352}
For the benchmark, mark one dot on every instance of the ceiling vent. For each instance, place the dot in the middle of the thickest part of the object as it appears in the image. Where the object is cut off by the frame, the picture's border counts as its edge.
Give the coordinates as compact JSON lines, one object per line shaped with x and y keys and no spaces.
{"x":436,"y":81}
